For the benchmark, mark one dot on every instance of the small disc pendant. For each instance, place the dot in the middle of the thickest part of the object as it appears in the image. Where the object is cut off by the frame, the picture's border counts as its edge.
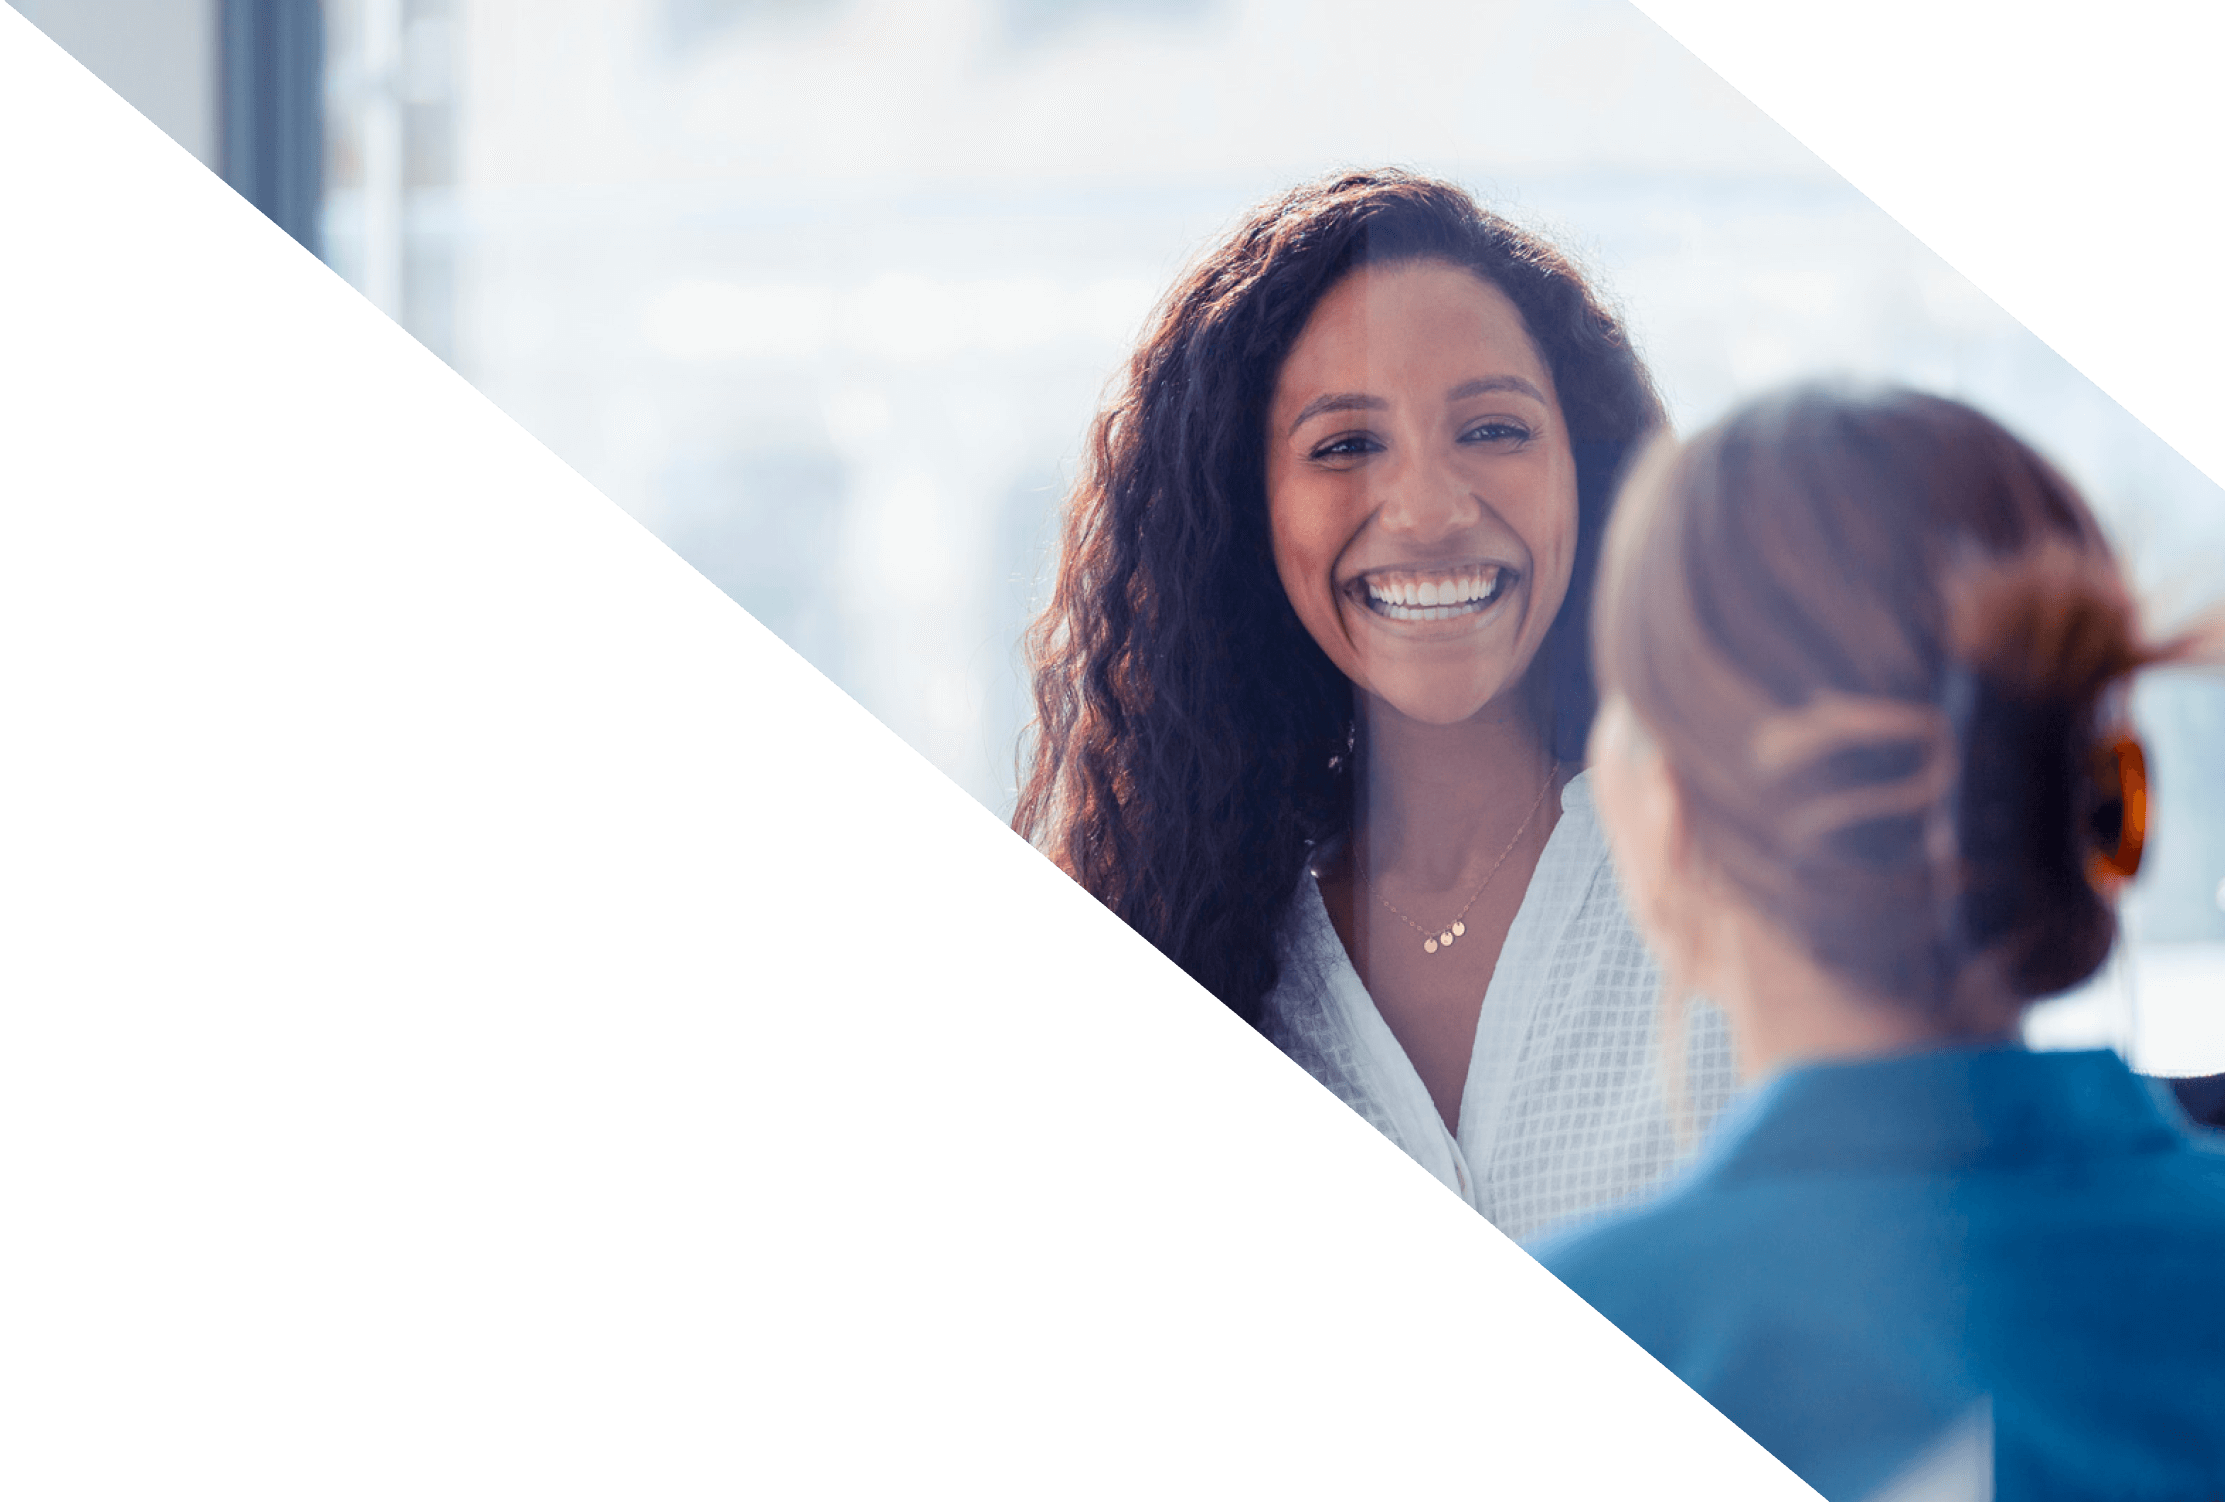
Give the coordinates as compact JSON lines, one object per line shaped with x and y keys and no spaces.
{"x":1444,"y":940}
{"x":1429,"y":946}
{"x":1459,"y":930}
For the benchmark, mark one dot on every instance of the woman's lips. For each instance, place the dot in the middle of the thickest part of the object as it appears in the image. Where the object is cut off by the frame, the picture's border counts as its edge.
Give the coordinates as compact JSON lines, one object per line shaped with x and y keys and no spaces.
{"x":1444,"y":594}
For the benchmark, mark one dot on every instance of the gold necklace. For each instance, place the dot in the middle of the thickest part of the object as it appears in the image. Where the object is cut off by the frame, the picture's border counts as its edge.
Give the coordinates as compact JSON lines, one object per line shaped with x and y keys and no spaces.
{"x":1434,"y":940}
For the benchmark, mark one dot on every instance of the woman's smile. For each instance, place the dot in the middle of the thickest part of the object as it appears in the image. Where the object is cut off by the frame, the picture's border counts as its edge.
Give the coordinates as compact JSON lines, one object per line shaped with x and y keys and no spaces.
{"x":1463,"y":592}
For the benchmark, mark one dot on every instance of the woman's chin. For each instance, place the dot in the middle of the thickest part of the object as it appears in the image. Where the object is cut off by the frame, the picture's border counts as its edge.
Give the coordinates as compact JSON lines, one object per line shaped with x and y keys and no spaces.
{"x":1444,"y":704}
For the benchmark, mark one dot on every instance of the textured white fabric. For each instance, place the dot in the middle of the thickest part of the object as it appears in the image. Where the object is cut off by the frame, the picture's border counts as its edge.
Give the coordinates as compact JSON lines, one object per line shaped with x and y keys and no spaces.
{"x":1564,"y":1111}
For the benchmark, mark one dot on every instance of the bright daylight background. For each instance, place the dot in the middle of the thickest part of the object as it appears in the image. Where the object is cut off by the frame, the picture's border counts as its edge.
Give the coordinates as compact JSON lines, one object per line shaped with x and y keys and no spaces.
{"x":824,"y":294}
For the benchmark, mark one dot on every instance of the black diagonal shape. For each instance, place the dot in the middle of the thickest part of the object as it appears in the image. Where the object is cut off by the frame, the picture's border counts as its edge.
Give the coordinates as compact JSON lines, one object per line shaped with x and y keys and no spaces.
{"x":608,"y":949}
{"x":2054,"y":163}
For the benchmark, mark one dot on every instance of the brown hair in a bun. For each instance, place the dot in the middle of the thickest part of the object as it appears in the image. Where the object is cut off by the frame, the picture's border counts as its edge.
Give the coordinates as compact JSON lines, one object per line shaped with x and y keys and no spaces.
{"x":1880,"y":641}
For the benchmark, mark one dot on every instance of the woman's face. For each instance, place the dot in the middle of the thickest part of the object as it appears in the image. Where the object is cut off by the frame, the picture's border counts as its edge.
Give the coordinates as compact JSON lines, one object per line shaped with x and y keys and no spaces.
{"x":1421,"y":490}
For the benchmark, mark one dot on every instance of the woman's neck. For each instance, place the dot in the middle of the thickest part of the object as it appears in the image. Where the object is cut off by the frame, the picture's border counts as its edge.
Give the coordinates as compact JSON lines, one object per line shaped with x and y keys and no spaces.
{"x":1435,"y":800}
{"x":1786,"y":1010}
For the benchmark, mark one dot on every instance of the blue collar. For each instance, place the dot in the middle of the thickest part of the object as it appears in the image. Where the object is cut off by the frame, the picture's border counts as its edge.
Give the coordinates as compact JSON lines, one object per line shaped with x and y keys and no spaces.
{"x":1943,"y":1109}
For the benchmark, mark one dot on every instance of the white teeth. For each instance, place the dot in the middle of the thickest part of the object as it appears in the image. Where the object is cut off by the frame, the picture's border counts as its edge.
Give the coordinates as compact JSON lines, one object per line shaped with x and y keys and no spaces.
{"x":1434,"y":599}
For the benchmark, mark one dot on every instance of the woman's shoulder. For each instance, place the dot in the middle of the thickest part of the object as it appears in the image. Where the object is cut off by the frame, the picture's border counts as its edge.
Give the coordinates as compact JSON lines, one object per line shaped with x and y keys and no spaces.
{"x":1306,"y":944}
{"x":1646,"y":1265}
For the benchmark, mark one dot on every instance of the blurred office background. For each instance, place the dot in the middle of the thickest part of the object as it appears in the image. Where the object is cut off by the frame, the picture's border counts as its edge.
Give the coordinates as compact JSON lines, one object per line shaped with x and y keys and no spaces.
{"x":824,"y":292}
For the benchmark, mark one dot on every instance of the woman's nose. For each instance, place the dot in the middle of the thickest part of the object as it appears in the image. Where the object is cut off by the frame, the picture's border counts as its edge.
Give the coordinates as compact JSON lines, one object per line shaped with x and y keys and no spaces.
{"x":1426,"y":501}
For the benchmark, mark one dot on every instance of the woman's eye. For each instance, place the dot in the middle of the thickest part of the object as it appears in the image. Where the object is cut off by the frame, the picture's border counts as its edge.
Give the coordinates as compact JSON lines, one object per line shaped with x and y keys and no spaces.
{"x":1496,"y":430}
{"x":1351,"y":446}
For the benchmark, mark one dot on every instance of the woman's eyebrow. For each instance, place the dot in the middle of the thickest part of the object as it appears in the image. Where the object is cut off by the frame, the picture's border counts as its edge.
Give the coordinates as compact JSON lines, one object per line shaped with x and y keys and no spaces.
{"x":1337,"y":401}
{"x":1466,"y":389}
{"x":1357,"y":401}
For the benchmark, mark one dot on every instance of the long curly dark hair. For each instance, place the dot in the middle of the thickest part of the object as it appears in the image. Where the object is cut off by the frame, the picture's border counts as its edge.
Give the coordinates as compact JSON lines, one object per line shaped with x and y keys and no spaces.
{"x":1191,"y":742}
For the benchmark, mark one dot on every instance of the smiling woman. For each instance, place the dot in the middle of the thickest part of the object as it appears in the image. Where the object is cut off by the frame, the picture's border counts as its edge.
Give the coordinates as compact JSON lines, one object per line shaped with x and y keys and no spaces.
{"x":1316,"y":668}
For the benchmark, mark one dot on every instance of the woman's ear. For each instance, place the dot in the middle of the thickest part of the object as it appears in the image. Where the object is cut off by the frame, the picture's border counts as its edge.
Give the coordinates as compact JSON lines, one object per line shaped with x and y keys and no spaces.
{"x":1630,"y":777}
{"x":1642,"y":811}
{"x":1682,"y":861}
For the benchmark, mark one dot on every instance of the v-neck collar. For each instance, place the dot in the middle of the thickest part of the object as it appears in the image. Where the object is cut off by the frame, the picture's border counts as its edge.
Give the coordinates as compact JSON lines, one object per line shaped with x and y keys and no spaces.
{"x":1573,"y":853}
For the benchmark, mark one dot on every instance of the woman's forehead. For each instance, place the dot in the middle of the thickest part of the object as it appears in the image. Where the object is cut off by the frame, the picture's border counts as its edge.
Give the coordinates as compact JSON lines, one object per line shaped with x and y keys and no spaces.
{"x":1415,"y":321}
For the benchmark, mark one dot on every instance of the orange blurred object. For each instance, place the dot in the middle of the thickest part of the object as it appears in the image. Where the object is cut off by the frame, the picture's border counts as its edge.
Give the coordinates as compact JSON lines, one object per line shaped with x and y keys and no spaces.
{"x":2122,"y":770}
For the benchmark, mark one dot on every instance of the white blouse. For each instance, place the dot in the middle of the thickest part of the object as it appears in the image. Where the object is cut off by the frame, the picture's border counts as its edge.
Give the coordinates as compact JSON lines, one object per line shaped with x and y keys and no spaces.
{"x":1564,"y":1110}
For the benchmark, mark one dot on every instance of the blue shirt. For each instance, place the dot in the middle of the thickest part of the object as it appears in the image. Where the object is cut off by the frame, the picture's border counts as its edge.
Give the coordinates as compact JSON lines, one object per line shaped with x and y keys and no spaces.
{"x":1863,"y":1252}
